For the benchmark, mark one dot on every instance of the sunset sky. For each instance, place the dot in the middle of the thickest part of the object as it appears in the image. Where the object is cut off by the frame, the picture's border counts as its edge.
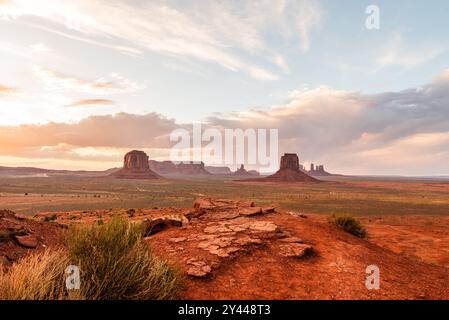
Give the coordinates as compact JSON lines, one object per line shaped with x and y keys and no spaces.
{"x":84,"y":81}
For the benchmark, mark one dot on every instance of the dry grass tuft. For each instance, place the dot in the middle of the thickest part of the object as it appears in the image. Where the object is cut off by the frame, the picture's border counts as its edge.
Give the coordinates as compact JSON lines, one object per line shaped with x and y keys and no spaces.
{"x":114,"y":260}
{"x":116,"y":263}
{"x":349,"y":224}
{"x":35,"y":277}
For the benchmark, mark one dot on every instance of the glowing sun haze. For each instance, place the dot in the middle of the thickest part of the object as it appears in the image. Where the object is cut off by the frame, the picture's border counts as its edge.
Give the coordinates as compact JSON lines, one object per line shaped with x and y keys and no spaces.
{"x":84,"y":81}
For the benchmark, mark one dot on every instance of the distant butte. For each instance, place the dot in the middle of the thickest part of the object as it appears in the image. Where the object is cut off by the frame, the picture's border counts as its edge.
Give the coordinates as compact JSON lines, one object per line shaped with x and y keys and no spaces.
{"x":289,"y":171}
{"x":135,"y":166}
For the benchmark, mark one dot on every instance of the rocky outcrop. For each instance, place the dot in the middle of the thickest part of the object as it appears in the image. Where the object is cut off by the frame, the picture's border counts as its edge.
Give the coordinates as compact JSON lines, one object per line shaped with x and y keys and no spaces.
{"x":183,"y":168}
{"x":318,"y":171}
{"x":289,"y":171}
{"x":219,"y":170}
{"x":192,"y":168}
{"x":242,"y":172}
{"x":135,"y":166}
{"x":21,"y":234}
{"x":222,"y":229}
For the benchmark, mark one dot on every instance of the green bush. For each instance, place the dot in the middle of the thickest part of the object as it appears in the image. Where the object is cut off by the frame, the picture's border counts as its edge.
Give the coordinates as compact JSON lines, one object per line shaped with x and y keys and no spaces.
{"x":349,"y":224}
{"x":116,"y":263}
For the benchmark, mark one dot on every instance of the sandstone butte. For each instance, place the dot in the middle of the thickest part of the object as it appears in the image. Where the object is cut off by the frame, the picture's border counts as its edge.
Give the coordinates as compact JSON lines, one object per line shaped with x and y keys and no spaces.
{"x":135,"y":166}
{"x":289,"y":171}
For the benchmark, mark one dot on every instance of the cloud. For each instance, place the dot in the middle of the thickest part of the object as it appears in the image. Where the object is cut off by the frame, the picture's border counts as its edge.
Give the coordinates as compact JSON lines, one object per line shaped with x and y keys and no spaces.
{"x":113,"y":84}
{"x":397,"y":54}
{"x":121,"y":130}
{"x":91,"y":102}
{"x":6,"y":90}
{"x":228,"y":33}
{"x":403,"y":132}
{"x":309,"y":19}
{"x":39,"y":48}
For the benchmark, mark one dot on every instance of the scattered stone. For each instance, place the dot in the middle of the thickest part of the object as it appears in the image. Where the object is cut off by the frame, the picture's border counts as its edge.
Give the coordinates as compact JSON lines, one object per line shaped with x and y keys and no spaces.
{"x":295,"y":250}
{"x":158,"y":224}
{"x":292,"y":240}
{"x":250,"y":211}
{"x":198,"y":269}
{"x":28,"y":241}
{"x":20,"y":216}
{"x":264,"y":226}
{"x":177,"y":240}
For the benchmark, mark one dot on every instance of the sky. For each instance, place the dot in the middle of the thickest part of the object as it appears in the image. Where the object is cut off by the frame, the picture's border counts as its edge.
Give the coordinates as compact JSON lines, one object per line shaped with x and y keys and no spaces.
{"x":84,"y":81}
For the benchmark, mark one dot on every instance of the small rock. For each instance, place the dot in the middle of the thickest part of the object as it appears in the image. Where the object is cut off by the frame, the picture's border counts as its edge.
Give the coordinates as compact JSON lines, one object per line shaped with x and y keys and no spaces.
{"x":198,"y":269}
{"x":28,"y":241}
{"x":268,"y":210}
{"x":20,"y":216}
{"x":176,"y":240}
{"x":250,"y":211}
{"x":292,"y":240}
{"x":295,"y":250}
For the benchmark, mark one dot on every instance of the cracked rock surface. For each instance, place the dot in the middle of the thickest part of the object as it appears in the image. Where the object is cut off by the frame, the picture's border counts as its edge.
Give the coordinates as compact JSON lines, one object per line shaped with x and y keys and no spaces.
{"x":220,"y":230}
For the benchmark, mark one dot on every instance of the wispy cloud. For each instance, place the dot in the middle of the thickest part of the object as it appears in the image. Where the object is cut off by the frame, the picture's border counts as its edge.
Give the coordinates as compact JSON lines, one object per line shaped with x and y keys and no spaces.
{"x":113,"y":84}
{"x":39,"y":48}
{"x":397,"y":54}
{"x":6,"y":90}
{"x":211,"y":31}
{"x":91,"y":102}
{"x":405,"y":132}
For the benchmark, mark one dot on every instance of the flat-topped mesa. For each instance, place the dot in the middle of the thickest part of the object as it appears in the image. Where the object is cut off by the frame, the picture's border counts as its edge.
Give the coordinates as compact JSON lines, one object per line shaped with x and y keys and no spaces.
{"x":290,"y":161}
{"x":135,"y":166}
{"x":136,"y":160}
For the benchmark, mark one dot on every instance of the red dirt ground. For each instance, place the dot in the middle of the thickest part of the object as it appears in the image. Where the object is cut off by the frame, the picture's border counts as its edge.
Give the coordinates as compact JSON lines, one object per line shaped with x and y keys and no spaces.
{"x":412,"y":252}
{"x":337,"y":271}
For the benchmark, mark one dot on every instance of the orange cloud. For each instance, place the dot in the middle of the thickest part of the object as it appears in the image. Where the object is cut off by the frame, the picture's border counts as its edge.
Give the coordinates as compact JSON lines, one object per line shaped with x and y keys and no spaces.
{"x":5,"y":90}
{"x":91,"y":102}
{"x":121,"y":130}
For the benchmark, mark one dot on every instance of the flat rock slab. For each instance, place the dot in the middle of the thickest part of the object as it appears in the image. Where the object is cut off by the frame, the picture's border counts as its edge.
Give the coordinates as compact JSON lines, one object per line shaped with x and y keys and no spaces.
{"x":28,"y":241}
{"x":295,"y":250}
{"x":198,"y":268}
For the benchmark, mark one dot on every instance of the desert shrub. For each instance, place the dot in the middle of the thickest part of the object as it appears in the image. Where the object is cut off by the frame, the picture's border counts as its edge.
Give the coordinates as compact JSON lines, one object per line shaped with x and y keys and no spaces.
{"x":116,"y":263}
{"x":36,"y":277}
{"x":131,"y":212}
{"x":349,"y":224}
{"x":53,"y":217}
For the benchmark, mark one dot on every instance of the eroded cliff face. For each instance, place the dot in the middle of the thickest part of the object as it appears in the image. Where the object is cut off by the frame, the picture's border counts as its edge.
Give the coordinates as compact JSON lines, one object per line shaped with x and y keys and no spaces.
{"x":136,"y":160}
{"x":290,"y":161}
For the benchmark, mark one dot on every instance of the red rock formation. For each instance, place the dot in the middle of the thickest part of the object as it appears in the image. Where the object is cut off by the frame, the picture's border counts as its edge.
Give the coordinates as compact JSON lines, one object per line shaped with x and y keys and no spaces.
{"x":163,"y":167}
{"x":289,"y":171}
{"x":135,"y":166}
{"x":183,"y":168}
{"x":242,"y":172}
{"x":290,"y":161}
{"x":192,"y":168}
{"x":219,"y":170}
